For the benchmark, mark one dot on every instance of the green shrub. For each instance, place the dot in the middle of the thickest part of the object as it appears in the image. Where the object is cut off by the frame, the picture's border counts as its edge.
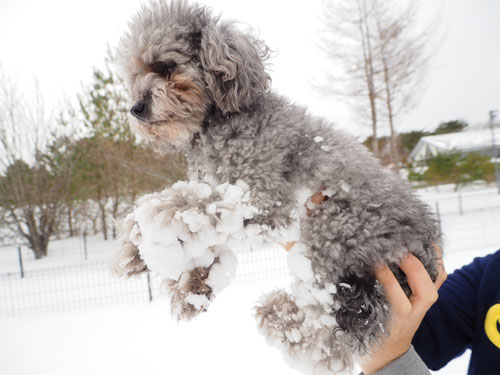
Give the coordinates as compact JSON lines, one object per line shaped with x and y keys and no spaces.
{"x":453,"y":168}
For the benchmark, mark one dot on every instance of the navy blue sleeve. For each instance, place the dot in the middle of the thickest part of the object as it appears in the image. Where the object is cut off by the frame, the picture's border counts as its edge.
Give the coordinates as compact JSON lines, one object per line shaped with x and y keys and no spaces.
{"x":448,"y":327}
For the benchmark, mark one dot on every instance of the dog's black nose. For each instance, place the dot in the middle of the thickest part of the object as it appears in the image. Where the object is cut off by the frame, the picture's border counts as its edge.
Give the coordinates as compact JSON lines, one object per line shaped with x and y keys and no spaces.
{"x":138,"y":110}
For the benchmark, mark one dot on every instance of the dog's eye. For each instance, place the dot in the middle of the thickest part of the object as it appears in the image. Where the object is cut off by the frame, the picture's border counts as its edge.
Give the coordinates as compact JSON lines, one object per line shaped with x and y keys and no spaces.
{"x":164,"y":69}
{"x":169,"y":67}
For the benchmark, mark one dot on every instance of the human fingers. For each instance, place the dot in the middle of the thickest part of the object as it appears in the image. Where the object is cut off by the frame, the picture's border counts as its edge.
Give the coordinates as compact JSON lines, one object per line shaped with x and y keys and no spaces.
{"x":442,"y":275}
{"x":424,"y":292}
{"x":395,"y":294}
{"x":404,"y":323}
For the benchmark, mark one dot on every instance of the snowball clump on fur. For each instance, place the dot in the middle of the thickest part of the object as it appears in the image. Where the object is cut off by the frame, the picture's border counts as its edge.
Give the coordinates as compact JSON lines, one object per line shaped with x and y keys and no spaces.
{"x":187,"y":234}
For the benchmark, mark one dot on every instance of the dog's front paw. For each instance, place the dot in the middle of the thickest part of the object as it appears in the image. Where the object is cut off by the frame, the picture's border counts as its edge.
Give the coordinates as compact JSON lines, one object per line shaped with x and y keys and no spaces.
{"x":195,"y":289}
{"x":190,"y":295}
{"x":127,"y":260}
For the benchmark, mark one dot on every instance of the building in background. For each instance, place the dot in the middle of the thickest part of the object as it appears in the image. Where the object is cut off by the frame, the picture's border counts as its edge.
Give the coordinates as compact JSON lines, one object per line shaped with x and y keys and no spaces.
{"x":477,"y":141}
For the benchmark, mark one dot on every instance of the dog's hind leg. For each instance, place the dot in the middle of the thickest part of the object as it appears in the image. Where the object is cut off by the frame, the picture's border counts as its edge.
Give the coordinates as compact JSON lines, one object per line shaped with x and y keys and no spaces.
{"x":303,"y":333}
{"x":279,"y":318}
{"x":363,"y":316}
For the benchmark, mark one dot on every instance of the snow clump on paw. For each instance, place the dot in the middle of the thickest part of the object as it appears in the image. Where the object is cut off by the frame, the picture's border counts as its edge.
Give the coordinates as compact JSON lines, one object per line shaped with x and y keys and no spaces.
{"x":188,"y":228}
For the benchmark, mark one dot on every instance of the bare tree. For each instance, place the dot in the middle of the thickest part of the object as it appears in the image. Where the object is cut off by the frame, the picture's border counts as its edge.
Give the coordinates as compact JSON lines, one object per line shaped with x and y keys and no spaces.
{"x":404,"y":52}
{"x":347,"y":40}
{"x":382,"y":57}
{"x":33,"y":179}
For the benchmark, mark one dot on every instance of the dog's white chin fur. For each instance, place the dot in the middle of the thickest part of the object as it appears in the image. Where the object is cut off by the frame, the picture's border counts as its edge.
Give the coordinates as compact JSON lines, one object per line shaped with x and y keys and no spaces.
{"x":166,"y":135}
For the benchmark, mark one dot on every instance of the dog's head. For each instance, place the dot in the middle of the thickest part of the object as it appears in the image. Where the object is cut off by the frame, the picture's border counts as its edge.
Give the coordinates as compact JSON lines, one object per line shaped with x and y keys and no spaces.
{"x":179,"y":62}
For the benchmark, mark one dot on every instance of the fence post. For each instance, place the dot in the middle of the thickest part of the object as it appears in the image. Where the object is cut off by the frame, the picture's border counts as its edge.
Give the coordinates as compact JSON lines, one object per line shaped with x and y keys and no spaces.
{"x":460,"y":208}
{"x":438,"y":215}
{"x":150,"y":295}
{"x":84,"y":237}
{"x":21,"y":268}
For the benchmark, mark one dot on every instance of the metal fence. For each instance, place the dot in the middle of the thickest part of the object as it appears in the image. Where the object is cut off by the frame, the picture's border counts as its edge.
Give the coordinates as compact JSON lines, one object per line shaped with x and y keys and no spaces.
{"x":460,"y":203}
{"x":67,"y":287}
{"x":76,"y":272}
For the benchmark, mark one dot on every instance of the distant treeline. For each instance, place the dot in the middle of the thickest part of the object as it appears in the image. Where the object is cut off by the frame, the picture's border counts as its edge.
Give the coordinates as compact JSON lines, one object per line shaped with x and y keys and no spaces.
{"x":82,"y":179}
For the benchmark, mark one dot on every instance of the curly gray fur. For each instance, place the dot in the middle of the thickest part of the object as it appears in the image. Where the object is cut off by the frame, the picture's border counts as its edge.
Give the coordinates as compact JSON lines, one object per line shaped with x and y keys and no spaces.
{"x":215,"y":106}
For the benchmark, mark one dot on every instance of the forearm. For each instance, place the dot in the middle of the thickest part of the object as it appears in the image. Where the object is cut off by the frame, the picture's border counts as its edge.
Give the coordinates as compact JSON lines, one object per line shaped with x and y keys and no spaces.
{"x":408,"y":364}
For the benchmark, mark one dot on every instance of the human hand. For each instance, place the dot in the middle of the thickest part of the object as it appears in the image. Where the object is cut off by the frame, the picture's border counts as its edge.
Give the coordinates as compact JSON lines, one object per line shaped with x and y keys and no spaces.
{"x":407,"y":312}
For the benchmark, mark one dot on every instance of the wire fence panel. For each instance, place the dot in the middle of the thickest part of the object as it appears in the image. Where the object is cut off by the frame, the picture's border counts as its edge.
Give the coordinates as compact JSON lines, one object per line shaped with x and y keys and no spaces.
{"x":452,"y":203}
{"x":262,"y":265}
{"x":69,"y":251}
{"x":76,"y":272}
{"x":68,"y":287}
{"x":92,"y":284}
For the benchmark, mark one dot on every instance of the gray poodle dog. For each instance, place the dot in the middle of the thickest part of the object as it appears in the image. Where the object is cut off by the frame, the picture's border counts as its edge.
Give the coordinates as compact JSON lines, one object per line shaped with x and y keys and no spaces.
{"x":200,"y":86}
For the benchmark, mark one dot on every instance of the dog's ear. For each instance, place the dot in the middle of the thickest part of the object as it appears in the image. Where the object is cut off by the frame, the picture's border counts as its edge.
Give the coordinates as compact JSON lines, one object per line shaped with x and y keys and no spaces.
{"x":233,"y":65}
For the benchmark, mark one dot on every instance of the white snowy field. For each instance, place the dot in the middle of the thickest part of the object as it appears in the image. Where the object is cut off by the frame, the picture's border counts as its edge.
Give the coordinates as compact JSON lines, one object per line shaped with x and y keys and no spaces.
{"x":142,"y":338}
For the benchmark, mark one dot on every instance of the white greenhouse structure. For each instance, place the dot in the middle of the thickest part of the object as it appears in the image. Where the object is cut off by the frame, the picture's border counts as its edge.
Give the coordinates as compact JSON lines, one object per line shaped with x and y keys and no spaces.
{"x":479,"y":141}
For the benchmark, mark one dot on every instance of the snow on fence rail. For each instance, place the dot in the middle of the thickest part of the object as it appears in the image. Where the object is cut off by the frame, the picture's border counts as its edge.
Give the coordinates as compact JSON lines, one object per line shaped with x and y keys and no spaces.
{"x":76,"y":272}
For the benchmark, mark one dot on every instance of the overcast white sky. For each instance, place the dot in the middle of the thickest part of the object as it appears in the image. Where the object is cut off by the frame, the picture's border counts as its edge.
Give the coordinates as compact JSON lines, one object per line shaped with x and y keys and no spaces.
{"x":58,"y":41}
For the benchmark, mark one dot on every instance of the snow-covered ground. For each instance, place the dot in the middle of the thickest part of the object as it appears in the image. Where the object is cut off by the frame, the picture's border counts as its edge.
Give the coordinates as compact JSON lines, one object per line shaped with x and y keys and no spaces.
{"x":142,"y":338}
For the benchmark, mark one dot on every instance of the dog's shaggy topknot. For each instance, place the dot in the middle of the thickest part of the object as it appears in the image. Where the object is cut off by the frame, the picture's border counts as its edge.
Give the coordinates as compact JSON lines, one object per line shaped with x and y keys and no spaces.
{"x":232,"y":62}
